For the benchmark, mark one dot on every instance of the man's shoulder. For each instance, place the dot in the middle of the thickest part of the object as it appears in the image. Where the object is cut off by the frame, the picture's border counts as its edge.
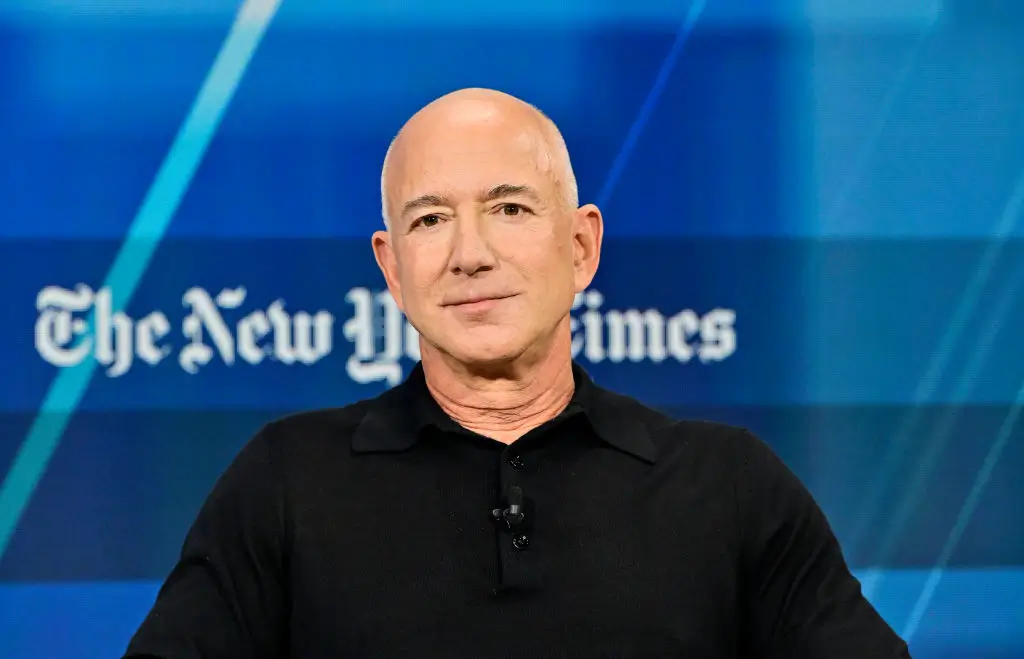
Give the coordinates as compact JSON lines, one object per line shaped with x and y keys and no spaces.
{"x":333,"y":425}
{"x":673,"y":432}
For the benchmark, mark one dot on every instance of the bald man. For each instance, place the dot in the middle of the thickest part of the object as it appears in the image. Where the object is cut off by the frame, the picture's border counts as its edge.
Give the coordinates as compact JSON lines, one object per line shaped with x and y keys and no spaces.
{"x":498,"y":503}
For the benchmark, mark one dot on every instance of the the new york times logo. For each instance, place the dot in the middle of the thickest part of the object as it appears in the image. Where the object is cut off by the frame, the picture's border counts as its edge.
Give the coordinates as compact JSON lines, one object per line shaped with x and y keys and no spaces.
{"x":117,"y":341}
{"x":382,"y":341}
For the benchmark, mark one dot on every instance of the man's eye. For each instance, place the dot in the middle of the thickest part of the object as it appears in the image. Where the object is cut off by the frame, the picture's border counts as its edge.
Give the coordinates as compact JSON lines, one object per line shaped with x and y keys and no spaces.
{"x":513,"y":210}
{"x":427,"y":221}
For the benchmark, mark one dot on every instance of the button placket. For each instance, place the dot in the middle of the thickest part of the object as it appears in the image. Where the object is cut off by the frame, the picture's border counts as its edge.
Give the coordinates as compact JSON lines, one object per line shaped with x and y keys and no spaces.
{"x":515,"y":526}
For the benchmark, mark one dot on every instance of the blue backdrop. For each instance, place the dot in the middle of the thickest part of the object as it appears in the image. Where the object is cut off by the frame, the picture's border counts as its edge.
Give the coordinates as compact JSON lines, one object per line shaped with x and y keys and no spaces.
{"x":814,"y":229}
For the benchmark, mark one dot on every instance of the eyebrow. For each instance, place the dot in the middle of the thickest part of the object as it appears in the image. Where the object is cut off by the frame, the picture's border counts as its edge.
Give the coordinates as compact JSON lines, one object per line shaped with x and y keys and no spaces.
{"x":497,"y":192}
{"x":509,"y":190}
{"x":423,"y":201}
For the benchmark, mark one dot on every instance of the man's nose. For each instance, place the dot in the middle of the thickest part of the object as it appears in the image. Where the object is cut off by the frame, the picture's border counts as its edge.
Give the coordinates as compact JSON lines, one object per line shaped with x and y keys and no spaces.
{"x":472,"y":251}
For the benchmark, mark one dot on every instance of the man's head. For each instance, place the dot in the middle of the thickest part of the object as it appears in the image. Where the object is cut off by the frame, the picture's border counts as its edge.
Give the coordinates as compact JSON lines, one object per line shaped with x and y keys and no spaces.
{"x":485,"y":247}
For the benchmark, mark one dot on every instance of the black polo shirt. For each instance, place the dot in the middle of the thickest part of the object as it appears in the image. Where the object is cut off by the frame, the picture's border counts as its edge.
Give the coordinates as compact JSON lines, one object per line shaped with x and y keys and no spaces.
{"x":383,"y":529}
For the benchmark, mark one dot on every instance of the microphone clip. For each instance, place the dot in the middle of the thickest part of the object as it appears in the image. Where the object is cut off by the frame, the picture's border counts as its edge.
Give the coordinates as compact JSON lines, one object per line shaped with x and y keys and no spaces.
{"x":515,"y":513}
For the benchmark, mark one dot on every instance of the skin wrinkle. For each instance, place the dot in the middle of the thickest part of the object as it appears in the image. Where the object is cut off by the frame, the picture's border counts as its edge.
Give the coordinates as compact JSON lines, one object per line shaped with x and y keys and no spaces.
{"x":501,"y":365}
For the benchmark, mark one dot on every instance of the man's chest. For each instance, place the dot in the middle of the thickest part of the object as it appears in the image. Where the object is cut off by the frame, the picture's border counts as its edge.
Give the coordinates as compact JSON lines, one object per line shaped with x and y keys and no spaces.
{"x":625,"y":562}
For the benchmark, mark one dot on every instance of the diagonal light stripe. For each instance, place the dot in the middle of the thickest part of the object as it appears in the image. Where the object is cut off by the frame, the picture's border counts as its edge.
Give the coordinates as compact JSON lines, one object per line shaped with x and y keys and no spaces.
{"x":943,"y":433}
{"x":651,"y":102}
{"x":965,"y":309}
{"x":130,"y":263}
{"x":964,"y":517}
{"x":867,"y":147}
{"x":926,"y":387}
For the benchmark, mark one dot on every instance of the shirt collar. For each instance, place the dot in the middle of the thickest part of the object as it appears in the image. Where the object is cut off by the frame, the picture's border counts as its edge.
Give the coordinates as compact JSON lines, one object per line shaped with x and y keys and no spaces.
{"x":397,"y":418}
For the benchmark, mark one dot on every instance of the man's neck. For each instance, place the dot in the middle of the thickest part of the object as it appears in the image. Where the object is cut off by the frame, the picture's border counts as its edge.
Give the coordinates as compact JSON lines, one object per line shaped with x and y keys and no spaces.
{"x":503,"y":408}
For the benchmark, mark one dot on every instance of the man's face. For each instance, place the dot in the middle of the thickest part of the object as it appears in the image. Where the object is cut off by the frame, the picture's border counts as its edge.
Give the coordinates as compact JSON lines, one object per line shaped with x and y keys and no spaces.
{"x":483,"y":255}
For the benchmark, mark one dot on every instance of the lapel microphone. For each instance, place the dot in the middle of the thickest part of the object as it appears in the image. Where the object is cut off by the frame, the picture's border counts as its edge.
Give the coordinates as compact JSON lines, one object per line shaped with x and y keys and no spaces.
{"x":514,"y":513}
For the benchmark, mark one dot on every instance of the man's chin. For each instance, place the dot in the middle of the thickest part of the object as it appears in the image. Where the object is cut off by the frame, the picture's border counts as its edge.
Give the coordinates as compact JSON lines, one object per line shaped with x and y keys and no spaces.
{"x":486,"y":356}
{"x":478,"y":351}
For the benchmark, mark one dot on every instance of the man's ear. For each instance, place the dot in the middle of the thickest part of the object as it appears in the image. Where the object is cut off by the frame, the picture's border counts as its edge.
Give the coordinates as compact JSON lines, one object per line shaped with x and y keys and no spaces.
{"x":384,"y":252}
{"x":588,"y":234}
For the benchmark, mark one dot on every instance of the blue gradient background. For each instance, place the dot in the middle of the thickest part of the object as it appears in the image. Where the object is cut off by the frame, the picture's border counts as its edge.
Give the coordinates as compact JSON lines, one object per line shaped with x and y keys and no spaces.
{"x":848,"y":176}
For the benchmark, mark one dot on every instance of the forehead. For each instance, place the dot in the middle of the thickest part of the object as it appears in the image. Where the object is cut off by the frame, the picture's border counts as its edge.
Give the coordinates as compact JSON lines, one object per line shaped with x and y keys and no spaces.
{"x":467,"y":159}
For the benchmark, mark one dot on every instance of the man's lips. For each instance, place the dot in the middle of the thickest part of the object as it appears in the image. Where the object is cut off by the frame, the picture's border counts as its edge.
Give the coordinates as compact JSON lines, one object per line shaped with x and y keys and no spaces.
{"x":477,"y":299}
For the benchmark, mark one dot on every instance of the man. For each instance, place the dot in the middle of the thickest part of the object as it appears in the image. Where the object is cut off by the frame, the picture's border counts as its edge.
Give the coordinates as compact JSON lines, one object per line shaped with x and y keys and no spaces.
{"x":498,"y":503}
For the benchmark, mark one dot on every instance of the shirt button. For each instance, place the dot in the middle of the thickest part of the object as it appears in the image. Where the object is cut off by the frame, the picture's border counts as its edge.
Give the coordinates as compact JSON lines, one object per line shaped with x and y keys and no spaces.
{"x":520,"y":542}
{"x":516,"y":463}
